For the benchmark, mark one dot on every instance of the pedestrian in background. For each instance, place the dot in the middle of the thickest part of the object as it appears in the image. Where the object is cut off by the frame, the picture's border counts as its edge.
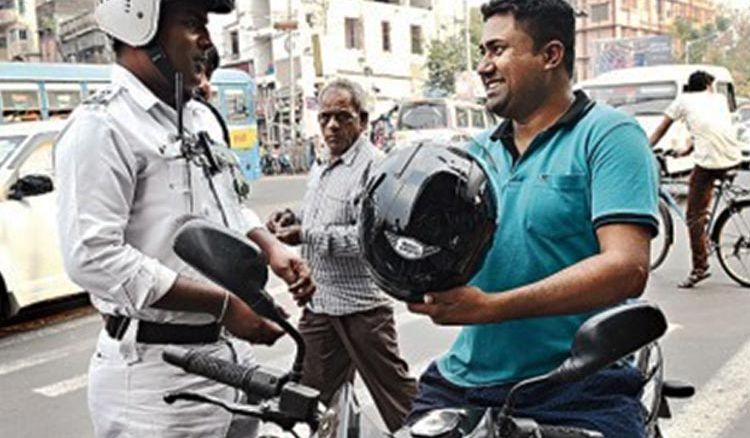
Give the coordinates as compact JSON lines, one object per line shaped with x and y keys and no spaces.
{"x":715,"y":150}
{"x":349,"y":325}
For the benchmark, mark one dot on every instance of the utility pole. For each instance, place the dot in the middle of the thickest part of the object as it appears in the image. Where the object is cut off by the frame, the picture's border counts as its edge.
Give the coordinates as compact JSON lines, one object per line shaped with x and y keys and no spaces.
{"x":292,"y":85}
{"x":289,"y":26}
{"x":467,"y":36}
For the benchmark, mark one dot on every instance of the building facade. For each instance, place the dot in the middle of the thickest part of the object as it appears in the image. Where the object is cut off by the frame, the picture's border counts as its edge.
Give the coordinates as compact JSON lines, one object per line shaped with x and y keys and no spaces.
{"x":613,"y":20}
{"x":380,"y":44}
{"x":58,"y":39}
{"x":82,"y":41}
{"x":19,"y":40}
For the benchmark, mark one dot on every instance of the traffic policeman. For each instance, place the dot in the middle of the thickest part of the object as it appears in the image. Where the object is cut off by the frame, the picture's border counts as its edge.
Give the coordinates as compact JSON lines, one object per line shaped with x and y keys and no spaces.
{"x":128,"y":180}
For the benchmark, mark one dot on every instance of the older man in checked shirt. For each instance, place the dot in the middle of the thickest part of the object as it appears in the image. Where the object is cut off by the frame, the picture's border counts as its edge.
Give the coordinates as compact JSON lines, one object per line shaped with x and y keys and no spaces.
{"x":348,"y":326}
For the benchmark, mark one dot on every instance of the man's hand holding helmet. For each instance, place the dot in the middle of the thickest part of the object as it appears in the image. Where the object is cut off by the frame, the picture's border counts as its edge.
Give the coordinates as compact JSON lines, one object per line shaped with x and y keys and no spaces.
{"x":461,"y":305}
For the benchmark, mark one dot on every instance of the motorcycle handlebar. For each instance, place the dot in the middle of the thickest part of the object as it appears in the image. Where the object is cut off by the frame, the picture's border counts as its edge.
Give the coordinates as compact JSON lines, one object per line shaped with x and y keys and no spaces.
{"x":259,"y":381}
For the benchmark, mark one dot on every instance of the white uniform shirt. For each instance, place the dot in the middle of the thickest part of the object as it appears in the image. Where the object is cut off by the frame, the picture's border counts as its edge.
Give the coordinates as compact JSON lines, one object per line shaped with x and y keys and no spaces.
{"x":125,"y":189}
{"x":710,"y":123}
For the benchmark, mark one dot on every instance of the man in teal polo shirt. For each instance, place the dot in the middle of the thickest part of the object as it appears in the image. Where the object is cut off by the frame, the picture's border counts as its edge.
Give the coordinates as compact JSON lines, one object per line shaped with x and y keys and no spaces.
{"x":577,"y":197}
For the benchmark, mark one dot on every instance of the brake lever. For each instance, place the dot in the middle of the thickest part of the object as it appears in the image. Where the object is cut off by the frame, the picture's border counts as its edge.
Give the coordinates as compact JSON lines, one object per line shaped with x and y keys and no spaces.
{"x":263,"y":412}
{"x":235,"y":408}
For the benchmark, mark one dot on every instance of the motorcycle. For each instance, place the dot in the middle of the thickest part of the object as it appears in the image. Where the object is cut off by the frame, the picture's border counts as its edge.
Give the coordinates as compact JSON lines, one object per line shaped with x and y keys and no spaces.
{"x":233,"y":262}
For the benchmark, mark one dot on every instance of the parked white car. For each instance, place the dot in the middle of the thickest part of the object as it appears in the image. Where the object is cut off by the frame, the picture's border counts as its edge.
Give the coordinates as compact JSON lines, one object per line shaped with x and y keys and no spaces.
{"x":31,"y":268}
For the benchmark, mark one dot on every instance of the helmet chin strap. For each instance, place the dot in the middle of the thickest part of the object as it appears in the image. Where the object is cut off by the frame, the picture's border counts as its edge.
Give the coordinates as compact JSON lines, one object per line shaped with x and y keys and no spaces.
{"x":159,"y":59}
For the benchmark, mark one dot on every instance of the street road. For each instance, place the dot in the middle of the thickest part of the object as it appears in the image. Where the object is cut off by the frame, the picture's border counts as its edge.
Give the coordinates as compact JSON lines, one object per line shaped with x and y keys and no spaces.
{"x":43,"y":370}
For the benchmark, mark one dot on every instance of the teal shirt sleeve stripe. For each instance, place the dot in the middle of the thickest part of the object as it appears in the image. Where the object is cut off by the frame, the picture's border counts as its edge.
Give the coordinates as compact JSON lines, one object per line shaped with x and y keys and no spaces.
{"x":650,"y":222}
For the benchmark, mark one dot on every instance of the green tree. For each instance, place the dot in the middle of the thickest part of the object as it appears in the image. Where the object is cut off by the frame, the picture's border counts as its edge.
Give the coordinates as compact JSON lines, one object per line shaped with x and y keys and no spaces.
{"x":725,"y":42}
{"x":447,"y":57}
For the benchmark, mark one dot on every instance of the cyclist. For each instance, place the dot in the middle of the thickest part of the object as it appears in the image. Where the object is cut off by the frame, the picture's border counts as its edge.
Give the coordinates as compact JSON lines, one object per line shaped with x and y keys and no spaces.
{"x":126,"y":186}
{"x":715,"y":150}
{"x":576,"y":189}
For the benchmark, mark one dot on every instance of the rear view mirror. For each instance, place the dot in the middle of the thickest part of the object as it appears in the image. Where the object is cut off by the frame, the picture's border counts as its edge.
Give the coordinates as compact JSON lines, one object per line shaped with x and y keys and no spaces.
{"x":610,"y":336}
{"x":229,"y":259}
{"x":30,"y":185}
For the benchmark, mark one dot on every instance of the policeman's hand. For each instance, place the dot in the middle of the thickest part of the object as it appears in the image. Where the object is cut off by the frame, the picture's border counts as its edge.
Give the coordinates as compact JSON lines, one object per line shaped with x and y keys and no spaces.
{"x":458,"y":306}
{"x":291,"y":235}
{"x":294,"y":271}
{"x":242,"y":322}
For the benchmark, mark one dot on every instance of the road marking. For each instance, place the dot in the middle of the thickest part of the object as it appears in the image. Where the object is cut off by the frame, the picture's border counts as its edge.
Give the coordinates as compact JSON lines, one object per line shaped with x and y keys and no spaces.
{"x":673,"y":328}
{"x":43,"y":358}
{"x":63,"y":387}
{"x":49,"y":331}
{"x":717,"y":404}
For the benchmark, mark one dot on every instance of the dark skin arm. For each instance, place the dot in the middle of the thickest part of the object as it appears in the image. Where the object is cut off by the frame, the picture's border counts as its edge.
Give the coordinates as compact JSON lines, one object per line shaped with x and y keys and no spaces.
{"x":618,"y":272}
{"x":287,"y":265}
{"x":188,"y":295}
{"x":661,"y":131}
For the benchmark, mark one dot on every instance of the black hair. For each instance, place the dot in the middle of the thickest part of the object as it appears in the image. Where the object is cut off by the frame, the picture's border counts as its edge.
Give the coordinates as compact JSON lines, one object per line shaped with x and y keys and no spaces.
{"x":699,"y":81}
{"x":543,"y":21}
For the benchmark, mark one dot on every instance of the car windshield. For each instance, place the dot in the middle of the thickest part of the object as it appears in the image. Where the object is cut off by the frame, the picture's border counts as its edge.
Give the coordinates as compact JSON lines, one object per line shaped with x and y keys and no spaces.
{"x":7,"y":145}
{"x":422,"y":115}
{"x":636,"y":99}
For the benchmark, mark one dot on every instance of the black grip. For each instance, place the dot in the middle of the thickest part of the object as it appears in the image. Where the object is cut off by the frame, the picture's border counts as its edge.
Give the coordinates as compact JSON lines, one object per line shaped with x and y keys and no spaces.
{"x":567,"y":432}
{"x":211,"y":367}
{"x":260,"y":381}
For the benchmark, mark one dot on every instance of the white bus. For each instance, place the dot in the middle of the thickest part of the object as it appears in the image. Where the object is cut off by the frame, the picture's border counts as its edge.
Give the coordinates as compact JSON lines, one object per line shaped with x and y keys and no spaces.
{"x":645,"y":92}
{"x":440,"y":119}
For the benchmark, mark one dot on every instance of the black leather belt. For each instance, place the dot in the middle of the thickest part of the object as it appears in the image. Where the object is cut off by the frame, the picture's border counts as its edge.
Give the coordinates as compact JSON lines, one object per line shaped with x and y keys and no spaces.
{"x":160,"y":333}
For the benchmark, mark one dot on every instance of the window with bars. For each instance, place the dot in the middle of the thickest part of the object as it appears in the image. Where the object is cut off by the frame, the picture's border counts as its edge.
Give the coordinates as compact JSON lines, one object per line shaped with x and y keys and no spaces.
{"x":600,"y":12}
{"x":386,"y":31}
{"x":416,"y":40}
{"x":353,"y":33}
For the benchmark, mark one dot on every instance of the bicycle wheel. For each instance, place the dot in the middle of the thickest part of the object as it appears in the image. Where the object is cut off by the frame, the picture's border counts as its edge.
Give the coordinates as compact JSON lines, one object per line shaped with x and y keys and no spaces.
{"x":731,"y":238}
{"x":661,"y":243}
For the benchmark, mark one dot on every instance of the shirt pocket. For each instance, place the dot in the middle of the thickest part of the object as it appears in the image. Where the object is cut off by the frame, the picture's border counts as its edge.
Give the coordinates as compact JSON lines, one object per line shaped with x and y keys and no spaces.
{"x":559,"y":206}
{"x":337,"y":209}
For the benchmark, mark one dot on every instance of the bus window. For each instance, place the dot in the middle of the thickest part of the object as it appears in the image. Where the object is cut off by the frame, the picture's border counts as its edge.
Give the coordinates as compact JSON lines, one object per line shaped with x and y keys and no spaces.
{"x":491,"y":118}
{"x":20,"y":105}
{"x":214,"y":101}
{"x":94,"y":87}
{"x":636,"y":99}
{"x":462,"y":117}
{"x":727,"y":90}
{"x":237,"y":110}
{"x":422,"y":115}
{"x":62,"y":102}
{"x":477,"y":119}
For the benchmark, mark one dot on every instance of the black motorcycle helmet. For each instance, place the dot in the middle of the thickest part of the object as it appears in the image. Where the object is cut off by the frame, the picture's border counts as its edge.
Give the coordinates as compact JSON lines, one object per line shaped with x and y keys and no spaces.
{"x":427,"y":220}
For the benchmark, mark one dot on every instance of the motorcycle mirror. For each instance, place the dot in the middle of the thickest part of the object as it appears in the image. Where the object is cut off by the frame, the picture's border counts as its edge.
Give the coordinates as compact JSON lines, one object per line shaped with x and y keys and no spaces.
{"x":229,"y":259}
{"x":610,"y":336}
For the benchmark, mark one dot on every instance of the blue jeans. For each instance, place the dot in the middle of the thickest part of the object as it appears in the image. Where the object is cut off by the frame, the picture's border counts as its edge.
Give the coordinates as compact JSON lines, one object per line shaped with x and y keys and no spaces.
{"x":608,"y":401}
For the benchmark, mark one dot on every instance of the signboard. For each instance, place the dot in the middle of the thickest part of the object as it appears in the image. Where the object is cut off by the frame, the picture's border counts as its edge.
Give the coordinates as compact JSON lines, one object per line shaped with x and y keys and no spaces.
{"x":614,"y":54}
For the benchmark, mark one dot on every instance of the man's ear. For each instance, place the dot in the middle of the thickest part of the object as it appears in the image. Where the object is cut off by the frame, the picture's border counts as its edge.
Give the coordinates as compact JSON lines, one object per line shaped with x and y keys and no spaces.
{"x":554,"y":54}
{"x":364,"y":119}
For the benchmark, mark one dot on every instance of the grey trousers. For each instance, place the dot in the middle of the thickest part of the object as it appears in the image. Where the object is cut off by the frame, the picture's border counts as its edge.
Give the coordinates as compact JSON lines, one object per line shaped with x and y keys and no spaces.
{"x":364,"y":342}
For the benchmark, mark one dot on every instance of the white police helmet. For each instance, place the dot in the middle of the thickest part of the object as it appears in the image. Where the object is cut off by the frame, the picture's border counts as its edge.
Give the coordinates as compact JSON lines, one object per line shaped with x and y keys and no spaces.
{"x":135,"y":22}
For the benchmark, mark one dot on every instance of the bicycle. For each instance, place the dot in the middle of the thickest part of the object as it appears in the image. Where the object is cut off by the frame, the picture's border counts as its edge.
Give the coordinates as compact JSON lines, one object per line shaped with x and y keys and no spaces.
{"x":728,"y":228}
